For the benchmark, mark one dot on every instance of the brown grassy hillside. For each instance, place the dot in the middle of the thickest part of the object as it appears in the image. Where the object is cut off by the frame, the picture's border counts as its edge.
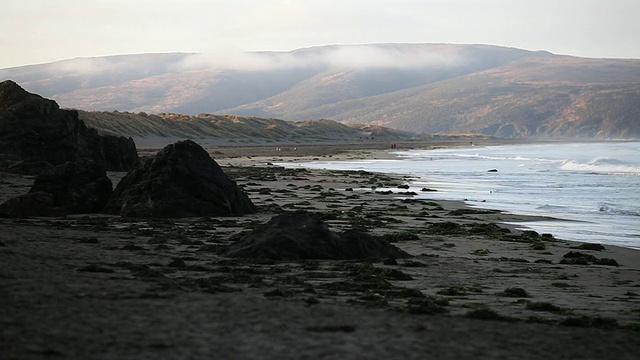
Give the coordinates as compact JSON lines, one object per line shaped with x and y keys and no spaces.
{"x":234,"y":128}
{"x":420,"y":88}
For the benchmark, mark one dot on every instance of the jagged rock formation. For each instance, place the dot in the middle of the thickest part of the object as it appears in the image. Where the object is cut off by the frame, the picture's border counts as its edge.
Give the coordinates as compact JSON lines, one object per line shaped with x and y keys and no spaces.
{"x":72,"y":188}
{"x":181,"y":180}
{"x":302,"y":235}
{"x":36,"y":134}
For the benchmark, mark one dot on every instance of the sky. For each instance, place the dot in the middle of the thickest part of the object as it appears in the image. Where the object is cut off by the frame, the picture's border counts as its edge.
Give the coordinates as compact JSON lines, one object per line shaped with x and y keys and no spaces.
{"x":40,"y":31}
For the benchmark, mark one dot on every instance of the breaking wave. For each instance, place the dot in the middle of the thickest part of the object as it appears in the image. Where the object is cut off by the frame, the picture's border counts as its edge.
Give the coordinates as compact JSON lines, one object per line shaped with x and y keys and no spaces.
{"x":613,"y":210}
{"x":602,"y":165}
{"x":553,"y":208}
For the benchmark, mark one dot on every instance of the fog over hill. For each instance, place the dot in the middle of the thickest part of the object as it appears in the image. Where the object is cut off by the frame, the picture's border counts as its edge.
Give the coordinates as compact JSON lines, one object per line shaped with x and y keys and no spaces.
{"x":421,"y":88}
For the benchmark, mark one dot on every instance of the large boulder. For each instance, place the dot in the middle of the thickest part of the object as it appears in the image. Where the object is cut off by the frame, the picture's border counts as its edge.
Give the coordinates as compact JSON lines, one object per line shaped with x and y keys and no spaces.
{"x":35,"y":133}
{"x":79,"y":187}
{"x":30,"y":204}
{"x":119,"y":153}
{"x":181,"y":180}
{"x":303,"y":235}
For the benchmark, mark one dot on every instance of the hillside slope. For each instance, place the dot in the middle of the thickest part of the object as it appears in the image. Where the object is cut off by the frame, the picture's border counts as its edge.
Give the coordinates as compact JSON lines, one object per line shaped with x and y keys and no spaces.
{"x":526,"y":98}
{"x":230,"y":128}
{"x":541,"y":97}
{"x":420,"y":88}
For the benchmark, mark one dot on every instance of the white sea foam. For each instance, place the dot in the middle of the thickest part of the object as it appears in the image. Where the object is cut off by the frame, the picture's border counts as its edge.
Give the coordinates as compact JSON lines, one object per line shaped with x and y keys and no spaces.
{"x":602,"y":166}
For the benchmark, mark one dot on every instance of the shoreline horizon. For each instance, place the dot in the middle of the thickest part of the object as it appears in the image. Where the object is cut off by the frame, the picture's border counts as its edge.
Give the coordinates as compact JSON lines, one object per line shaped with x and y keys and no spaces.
{"x":530,"y":222}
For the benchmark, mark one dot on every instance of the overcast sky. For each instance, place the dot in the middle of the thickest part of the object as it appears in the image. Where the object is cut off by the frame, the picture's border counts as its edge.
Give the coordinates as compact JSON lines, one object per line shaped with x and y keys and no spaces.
{"x":37,"y":31}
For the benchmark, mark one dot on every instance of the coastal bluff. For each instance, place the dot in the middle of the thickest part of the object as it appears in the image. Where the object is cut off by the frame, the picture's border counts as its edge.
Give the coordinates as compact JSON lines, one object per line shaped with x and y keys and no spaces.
{"x":36,"y":135}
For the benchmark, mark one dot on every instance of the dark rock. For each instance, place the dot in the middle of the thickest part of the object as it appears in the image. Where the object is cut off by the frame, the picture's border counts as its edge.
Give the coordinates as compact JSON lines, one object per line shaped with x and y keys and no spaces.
{"x":492,"y":170}
{"x":488,"y":314}
{"x":119,"y":153}
{"x":177,"y":263}
{"x":94,"y":268}
{"x":390,"y":262}
{"x":446,"y":228}
{"x":179,"y":181}
{"x":589,"y":321}
{"x":606,"y":261}
{"x":360,"y":245}
{"x":31,"y":167}
{"x":278,"y":293}
{"x":579,"y":255}
{"x":79,"y":187}
{"x":73,"y":188}
{"x":577,"y":258}
{"x":31,"y":204}
{"x":35,"y":131}
{"x":332,"y":328}
{"x":303,"y":235}
{"x":312,"y":301}
{"x":515,"y":292}
{"x":590,"y":246}
{"x":132,"y":247}
{"x":428,"y":306}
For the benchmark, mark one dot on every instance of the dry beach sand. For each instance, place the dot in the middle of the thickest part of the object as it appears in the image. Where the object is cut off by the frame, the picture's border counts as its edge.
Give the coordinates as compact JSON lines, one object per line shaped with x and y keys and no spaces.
{"x":104,"y":287}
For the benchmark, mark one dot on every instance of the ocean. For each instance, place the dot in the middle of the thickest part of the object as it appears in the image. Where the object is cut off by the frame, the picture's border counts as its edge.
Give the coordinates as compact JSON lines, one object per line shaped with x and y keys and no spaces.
{"x":593,"y":189}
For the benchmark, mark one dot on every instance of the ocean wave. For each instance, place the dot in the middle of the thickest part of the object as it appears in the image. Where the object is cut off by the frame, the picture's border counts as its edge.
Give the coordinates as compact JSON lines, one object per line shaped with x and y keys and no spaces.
{"x":602,"y":166}
{"x":555,"y":208}
{"x":500,"y":157}
{"x":447,"y":154}
{"x":613,"y":210}
{"x":607,"y":161}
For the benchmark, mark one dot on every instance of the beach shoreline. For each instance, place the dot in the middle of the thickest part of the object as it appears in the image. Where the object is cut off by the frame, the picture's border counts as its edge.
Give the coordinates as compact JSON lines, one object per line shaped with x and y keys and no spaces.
{"x":101,"y":286}
{"x":488,"y":191}
{"x":272,"y":156}
{"x":269,"y":155}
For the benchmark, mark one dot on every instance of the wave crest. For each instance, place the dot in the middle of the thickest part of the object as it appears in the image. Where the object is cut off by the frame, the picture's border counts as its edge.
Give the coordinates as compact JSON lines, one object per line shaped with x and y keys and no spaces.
{"x":613,"y":210}
{"x":602,"y":166}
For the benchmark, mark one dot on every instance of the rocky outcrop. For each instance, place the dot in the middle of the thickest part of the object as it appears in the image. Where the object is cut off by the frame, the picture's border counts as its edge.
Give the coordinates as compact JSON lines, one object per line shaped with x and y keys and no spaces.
{"x":181,"y":180}
{"x":303,"y":235}
{"x":35,"y":134}
{"x":119,"y":153}
{"x":30,"y":204}
{"x":79,"y":187}
{"x":73,"y":188}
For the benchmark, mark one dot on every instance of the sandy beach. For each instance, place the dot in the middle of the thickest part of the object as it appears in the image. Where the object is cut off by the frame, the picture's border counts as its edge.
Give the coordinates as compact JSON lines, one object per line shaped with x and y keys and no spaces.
{"x":105,"y":287}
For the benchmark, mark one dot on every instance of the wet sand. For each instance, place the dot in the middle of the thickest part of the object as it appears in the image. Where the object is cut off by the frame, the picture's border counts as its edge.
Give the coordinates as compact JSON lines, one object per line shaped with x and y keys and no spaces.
{"x":103,"y":287}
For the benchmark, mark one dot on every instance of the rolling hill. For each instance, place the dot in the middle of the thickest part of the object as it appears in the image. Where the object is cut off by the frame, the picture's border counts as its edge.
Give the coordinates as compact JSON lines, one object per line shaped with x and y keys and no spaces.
{"x":164,"y":128}
{"x":419,"y":88}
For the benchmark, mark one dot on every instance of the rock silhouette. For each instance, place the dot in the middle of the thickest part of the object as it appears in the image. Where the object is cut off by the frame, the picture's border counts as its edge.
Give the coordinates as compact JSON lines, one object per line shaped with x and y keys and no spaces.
{"x":36,"y":134}
{"x":73,"y":188}
{"x":78,"y":187}
{"x":303,"y":235}
{"x":181,"y":180}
